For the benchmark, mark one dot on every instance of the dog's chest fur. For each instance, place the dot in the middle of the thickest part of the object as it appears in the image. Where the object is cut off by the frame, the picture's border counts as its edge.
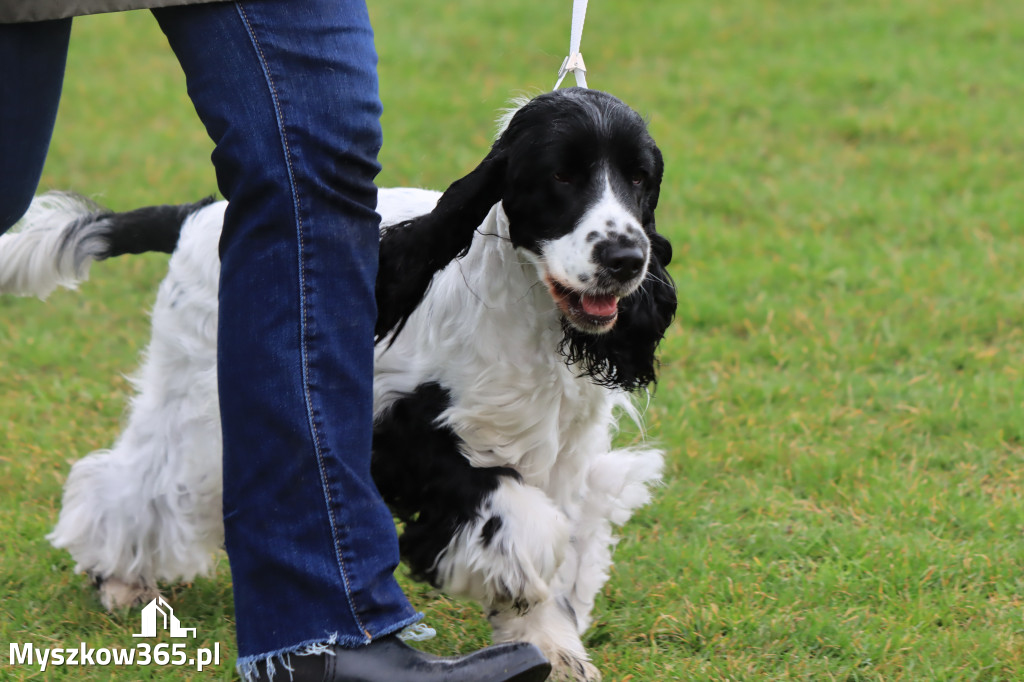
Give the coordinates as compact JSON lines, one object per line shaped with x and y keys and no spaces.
{"x":490,"y":333}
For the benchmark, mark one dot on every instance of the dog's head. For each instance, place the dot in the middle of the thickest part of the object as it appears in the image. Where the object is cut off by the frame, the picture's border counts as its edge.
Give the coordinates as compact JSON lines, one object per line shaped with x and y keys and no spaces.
{"x":581,"y":185}
{"x":578,"y":176}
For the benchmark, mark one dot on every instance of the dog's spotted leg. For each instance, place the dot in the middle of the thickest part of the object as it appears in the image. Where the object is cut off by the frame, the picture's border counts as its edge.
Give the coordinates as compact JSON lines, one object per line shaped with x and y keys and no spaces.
{"x":508,"y":555}
{"x":476,"y":532}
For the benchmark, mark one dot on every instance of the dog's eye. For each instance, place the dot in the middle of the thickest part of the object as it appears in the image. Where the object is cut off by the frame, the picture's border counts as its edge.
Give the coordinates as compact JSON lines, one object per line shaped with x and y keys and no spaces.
{"x":563,"y":177}
{"x":638,"y":178}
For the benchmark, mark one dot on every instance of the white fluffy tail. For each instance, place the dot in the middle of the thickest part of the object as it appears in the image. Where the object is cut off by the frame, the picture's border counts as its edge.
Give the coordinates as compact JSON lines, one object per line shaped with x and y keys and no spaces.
{"x":52,"y":246}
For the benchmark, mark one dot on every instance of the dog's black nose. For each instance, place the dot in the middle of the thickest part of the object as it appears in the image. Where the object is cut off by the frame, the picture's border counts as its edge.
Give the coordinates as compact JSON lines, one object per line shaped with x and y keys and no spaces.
{"x":622,"y":261}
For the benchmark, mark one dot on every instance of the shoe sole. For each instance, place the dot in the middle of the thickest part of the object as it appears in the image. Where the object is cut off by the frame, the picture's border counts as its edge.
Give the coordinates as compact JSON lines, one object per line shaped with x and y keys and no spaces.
{"x":535,"y":673}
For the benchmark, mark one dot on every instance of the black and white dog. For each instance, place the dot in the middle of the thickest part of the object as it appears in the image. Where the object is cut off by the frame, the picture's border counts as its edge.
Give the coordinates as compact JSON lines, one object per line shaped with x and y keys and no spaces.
{"x":520,"y":312}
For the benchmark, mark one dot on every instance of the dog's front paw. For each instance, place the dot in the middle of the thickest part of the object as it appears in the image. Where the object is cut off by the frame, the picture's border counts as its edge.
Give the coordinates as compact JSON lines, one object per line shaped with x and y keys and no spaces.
{"x":551,"y":628}
{"x":116,"y":594}
{"x":567,"y":667}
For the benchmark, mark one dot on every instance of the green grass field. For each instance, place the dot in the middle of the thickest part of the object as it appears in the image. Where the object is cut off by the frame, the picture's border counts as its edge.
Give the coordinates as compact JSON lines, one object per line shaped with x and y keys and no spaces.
{"x":841,"y":396}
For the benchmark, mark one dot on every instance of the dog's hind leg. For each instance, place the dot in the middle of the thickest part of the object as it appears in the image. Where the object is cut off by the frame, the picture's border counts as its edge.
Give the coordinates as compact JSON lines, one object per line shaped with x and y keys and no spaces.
{"x":130,"y":518}
{"x":149,"y":508}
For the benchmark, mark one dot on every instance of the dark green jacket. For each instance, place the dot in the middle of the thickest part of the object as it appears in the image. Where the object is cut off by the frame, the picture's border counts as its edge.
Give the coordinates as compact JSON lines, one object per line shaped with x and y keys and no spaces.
{"x":18,"y":11}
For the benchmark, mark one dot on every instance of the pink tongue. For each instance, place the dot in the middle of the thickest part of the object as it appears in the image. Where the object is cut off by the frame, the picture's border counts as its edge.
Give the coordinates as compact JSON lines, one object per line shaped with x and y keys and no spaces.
{"x":599,"y":306}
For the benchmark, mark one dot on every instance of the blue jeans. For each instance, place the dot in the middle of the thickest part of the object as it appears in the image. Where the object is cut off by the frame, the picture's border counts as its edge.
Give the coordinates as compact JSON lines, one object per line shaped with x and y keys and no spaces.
{"x":287,"y":89}
{"x":32,"y":60}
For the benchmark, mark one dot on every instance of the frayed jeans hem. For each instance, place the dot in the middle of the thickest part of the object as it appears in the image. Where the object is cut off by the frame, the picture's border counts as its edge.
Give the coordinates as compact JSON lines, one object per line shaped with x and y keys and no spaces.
{"x":248,"y":666}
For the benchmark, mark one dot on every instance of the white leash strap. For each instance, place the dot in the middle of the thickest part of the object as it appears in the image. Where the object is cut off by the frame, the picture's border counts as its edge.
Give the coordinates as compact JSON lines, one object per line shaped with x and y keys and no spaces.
{"x":574,"y":62}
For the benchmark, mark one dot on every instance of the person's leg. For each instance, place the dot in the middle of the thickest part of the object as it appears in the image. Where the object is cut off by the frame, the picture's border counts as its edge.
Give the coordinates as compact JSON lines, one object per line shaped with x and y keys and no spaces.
{"x":288,"y":92}
{"x":32,"y":58}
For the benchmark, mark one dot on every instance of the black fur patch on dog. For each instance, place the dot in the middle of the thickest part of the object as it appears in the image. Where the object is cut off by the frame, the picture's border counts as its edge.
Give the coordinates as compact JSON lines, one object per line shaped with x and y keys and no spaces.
{"x":426,"y":480}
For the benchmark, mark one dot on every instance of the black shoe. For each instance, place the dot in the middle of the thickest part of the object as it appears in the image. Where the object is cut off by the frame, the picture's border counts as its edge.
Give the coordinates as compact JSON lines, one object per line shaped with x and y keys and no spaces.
{"x":391,"y":660}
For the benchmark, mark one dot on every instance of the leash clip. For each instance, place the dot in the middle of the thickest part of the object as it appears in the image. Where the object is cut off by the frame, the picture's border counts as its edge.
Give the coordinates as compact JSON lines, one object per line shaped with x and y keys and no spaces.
{"x":574,"y":63}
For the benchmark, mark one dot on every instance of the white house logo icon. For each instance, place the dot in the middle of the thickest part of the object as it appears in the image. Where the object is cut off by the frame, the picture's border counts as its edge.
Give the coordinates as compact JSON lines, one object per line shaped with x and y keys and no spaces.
{"x":170,"y":622}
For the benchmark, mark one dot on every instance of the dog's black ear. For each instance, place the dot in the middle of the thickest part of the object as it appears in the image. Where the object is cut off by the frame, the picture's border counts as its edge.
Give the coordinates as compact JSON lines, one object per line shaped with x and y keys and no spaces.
{"x":653,"y":190}
{"x":625,"y":356}
{"x":412,"y":252}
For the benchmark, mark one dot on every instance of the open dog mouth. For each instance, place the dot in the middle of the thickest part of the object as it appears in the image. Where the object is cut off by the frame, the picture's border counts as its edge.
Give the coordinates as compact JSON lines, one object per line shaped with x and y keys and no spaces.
{"x":586,"y":311}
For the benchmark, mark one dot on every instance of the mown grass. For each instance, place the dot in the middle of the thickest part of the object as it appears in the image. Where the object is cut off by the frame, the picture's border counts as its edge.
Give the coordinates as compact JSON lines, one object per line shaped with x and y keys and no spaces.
{"x":841,"y":394}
